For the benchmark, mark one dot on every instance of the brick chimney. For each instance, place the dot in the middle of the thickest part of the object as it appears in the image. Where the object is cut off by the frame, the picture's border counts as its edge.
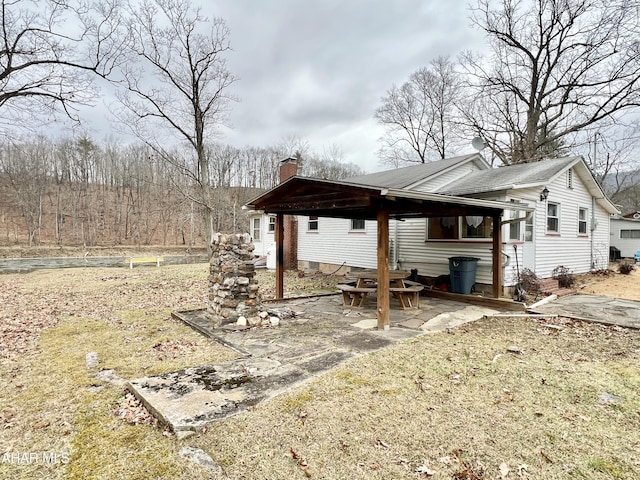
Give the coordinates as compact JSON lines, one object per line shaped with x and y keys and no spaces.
{"x":288,"y":168}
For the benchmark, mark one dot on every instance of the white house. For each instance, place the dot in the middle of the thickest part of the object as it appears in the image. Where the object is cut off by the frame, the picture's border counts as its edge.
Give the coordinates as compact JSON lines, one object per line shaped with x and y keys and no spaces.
{"x":569,"y":225}
{"x":625,"y":234}
{"x":262,"y":228}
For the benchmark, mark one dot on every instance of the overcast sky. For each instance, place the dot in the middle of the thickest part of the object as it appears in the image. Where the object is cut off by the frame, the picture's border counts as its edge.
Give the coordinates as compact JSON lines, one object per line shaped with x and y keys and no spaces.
{"x":317,"y":69}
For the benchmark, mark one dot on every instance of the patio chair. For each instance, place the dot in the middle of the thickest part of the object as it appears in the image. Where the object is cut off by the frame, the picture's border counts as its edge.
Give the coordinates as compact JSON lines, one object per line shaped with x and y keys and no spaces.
{"x":636,"y":257}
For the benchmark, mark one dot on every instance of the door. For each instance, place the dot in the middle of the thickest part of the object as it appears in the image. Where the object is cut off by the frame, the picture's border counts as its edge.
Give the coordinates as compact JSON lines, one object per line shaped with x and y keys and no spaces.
{"x":529,"y":247}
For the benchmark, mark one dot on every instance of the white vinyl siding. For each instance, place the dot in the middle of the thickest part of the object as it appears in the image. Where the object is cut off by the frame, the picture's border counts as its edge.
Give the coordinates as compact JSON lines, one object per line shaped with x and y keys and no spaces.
{"x":332,"y":243}
{"x":625,"y":235}
{"x":432,"y":258}
{"x":569,"y":249}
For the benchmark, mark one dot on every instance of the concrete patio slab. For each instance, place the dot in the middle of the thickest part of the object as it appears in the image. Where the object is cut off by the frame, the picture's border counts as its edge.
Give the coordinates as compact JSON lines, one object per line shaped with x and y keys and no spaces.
{"x":595,"y":308}
{"x":316,"y":335}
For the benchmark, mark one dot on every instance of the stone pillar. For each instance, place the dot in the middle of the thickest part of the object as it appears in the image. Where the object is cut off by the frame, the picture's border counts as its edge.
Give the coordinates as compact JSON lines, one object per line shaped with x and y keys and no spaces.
{"x":233,"y":288}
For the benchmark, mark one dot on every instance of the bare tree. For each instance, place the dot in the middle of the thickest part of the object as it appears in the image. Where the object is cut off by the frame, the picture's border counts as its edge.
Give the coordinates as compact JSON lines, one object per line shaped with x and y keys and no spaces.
{"x":330,"y":165}
{"x":420,"y":115}
{"x":555,"y":68}
{"x":49,"y":52}
{"x":24,"y":166}
{"x":177,"y":88}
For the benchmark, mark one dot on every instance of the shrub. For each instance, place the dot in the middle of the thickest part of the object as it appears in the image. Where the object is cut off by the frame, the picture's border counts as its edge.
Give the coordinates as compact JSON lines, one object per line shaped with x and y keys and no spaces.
{"x":529,"y":280}
{"x":626,"y":268}
{"x":564,"y":276}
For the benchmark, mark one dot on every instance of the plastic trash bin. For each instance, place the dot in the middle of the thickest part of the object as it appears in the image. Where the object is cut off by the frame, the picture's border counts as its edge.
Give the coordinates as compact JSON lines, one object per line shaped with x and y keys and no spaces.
{"x":614,"y":254}
{"x":463,"y":273}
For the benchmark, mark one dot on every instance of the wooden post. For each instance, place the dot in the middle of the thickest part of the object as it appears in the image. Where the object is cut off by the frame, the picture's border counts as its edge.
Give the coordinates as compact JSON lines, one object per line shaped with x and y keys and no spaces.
{"x":279,"y":256}
{"x":497,"y":255}
{"x":383,"y":270}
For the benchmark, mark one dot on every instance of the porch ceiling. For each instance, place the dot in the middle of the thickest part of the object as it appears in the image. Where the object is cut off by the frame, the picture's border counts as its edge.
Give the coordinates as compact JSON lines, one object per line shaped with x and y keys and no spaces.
{"x":327,"y":198}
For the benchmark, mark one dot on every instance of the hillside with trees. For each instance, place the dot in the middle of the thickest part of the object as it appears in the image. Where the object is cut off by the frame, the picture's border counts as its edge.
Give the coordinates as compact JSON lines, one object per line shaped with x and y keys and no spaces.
{"x":77,"y":192}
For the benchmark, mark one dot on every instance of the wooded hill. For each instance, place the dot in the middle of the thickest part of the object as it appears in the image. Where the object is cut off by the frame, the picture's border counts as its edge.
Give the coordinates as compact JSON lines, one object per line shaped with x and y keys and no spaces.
{"x":75,"y":192}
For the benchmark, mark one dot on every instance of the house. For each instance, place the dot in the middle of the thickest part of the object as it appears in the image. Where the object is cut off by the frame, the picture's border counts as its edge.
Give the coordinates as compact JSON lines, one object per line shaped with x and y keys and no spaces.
{"x":625,"y":234}
{"x":564,"y":221}
{"x":314,"y":198}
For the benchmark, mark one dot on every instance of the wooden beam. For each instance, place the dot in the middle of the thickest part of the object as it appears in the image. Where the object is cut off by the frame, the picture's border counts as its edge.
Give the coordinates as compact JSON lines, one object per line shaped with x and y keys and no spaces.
{"x":320,"y":203}
{"x":497,"y":255}
{"x":383,"y":269}
{"x":279,"y":256}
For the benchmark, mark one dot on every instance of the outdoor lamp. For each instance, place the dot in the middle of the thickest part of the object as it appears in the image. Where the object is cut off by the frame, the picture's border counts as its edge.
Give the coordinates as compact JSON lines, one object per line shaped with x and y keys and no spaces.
{"x":544,"y":194}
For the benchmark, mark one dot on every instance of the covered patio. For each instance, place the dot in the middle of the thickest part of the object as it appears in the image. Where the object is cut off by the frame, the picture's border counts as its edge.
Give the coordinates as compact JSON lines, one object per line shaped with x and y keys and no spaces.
{"x":340,"y":199}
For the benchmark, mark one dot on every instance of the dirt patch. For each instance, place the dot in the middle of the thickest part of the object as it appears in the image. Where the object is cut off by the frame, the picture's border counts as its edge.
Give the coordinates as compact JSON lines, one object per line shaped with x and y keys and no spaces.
{"x":611,"y":283}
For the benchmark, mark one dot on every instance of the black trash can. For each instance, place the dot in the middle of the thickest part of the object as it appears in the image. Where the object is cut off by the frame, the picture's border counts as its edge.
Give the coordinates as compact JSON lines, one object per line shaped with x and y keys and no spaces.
{"x":463,"y":273}
{"x":614,"y":254}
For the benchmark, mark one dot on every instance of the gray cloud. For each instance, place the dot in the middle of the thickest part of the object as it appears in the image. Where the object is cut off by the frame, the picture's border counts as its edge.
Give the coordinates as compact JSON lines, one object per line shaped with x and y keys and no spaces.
{"x":317,"y":69}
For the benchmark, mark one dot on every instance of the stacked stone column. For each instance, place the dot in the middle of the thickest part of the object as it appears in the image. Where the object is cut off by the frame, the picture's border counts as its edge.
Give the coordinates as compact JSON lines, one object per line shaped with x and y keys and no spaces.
{"x":233,"y":288}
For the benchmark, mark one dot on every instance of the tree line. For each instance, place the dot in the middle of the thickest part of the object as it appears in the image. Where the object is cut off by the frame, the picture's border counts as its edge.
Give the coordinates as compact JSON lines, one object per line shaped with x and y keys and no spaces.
{"x":557,"y":77}
{"x":75,"y":191}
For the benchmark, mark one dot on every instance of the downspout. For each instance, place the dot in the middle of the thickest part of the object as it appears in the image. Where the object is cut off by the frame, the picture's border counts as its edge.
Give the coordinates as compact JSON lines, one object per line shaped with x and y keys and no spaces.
{"x":593,"y":227}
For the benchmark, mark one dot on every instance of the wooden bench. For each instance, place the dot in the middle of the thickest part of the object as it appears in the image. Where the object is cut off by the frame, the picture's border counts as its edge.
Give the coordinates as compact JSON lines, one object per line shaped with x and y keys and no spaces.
{"x":353,"y":296}
{"x":139,"y":260}
{"x":408,"y":296}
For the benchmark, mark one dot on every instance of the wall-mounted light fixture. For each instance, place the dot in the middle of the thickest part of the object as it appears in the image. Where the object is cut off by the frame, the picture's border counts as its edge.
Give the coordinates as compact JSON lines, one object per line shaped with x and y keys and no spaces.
{"x":544,"y":194}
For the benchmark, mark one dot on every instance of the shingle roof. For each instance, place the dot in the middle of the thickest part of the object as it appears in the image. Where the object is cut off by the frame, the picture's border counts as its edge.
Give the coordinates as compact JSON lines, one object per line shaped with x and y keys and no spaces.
{"x":403,"y":177}
{"x":504,"y":178}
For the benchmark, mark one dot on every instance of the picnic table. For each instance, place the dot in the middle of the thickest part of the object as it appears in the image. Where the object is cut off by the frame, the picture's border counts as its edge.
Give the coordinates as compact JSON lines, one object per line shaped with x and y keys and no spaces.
{"x":406,"y":292}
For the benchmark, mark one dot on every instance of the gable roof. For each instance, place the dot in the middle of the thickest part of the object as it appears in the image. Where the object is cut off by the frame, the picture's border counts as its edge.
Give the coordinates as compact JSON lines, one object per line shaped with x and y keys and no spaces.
{"x":521,"y":175}
{"x":485,"y":179}
{"x":527,"y":175}
{"x":405,"y":177}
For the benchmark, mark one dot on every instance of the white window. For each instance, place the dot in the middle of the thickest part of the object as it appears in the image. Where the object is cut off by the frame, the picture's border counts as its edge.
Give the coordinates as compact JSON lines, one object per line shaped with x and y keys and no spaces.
{"x":629,"y":233}
{"x":582,"y":221}
{"x":515,"y":227}
{"x":272,"y":224}
{"x":313,"y":224}
{"x":476,"y":226}
{"x":456,"y":228}
{"x":255,"y":229}
{"x":357,"y":224}
{"x":553,"y":218}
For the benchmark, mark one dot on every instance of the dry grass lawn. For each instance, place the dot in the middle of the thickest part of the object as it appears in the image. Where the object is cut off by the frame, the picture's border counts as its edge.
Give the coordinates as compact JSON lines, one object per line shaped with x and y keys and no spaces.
{"x":453,"y":405}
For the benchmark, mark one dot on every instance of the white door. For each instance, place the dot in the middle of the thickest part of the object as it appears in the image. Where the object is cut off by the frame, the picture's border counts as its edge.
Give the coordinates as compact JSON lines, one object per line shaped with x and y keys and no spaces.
{"x":529,"y":247}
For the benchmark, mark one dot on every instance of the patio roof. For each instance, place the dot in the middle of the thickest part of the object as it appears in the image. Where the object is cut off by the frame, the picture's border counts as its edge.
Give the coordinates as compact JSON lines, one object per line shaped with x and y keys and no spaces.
{"x":342,"y":199}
